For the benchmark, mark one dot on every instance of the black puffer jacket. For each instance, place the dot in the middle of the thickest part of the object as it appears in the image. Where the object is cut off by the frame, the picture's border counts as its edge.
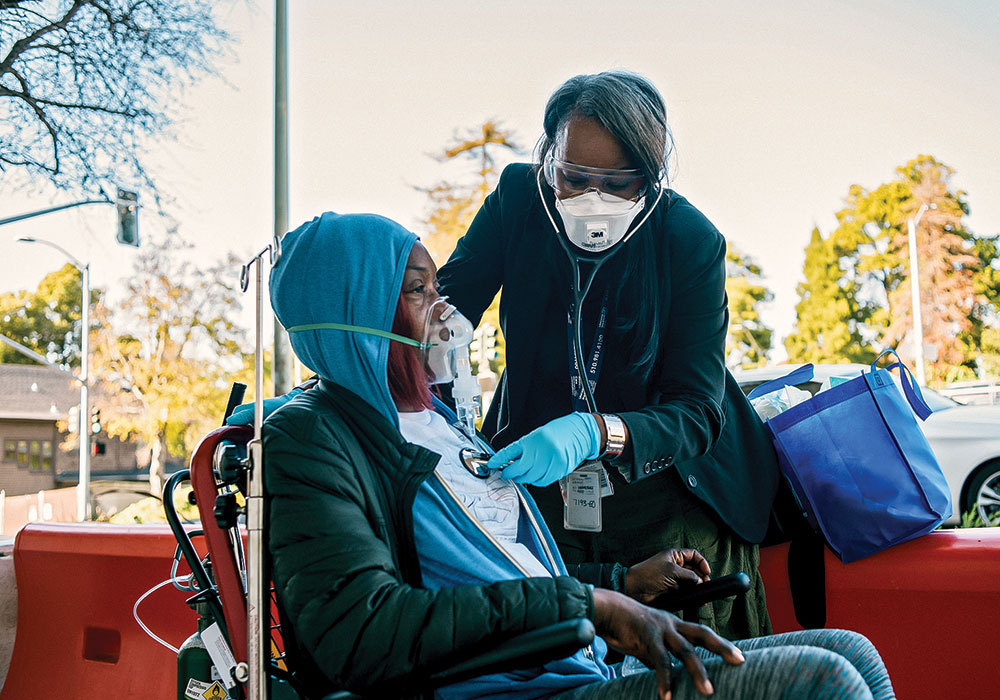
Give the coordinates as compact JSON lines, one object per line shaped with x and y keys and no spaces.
{"x":341,"y":481}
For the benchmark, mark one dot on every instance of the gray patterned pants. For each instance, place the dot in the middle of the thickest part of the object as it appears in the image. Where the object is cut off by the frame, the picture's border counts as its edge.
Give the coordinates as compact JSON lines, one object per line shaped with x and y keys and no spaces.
{"x":811,"y":664}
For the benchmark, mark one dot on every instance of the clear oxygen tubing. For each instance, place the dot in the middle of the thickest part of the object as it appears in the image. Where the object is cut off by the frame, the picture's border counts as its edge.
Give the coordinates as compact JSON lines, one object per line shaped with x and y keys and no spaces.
{"x":258,"y":607}
{"x":580,"y":290}
{"x":135,"y":610}
{"x":181,"y":583}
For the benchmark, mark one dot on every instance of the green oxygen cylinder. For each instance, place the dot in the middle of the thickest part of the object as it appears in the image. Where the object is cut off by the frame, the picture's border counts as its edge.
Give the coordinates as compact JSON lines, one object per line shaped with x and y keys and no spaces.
{"x":195,"y":679}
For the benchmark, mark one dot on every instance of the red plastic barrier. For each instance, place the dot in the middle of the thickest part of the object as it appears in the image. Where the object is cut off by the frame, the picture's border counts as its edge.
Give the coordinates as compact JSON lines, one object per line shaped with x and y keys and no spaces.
{"x":931,"y":607}
{"x":76,"y":637}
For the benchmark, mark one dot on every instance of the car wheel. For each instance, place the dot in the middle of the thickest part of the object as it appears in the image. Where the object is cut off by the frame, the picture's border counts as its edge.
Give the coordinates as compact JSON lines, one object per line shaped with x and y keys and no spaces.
{"x":983,"y":495}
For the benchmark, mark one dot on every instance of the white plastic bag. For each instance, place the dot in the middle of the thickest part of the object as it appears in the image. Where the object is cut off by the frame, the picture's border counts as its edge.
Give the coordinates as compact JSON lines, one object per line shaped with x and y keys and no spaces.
{"x":770,"y":405}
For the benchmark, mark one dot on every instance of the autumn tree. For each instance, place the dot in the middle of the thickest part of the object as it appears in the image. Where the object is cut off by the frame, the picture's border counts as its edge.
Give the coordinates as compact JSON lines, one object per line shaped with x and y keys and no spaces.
{"x":856,"y":298}
{"x":165,"y":356}
{"x":46,"y":320}
{"x":749,"y":340}
{"x":84,"y":83}
{"x":453,"y":205}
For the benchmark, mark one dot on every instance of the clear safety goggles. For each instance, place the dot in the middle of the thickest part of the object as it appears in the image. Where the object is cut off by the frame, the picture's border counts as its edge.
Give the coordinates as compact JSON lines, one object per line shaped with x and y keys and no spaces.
{"x":569,"y":180}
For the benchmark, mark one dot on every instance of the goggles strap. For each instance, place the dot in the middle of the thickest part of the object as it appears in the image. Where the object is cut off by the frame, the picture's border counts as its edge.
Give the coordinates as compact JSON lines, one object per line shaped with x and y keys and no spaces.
{"x":358,"y":329}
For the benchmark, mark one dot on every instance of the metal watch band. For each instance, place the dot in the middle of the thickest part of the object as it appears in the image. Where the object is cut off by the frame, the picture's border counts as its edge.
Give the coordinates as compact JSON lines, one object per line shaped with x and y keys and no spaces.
{"x":616,"y":436}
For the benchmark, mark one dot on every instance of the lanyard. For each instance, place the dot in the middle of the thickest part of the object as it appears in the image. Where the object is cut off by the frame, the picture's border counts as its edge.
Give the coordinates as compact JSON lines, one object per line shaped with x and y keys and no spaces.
{"x":593,"y":369}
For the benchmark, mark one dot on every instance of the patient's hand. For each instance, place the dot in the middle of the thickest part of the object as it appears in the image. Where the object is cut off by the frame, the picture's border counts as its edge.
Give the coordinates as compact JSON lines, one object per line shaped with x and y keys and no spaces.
{"x":665,"y":571}
{"x":649,"y":634}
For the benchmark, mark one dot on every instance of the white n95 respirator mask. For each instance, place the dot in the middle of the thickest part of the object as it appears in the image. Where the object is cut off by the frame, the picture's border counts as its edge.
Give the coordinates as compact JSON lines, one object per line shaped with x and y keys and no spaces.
{"x":595,"y":220}
{"x":447,"y":335}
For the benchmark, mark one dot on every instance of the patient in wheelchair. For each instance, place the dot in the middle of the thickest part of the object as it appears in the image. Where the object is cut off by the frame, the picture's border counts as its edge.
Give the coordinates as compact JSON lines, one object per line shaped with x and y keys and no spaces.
{"x":392,"y":560}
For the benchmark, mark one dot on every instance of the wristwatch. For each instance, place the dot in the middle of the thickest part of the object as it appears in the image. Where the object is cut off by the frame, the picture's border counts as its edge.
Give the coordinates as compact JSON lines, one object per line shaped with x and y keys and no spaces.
{"x":616,"y":436}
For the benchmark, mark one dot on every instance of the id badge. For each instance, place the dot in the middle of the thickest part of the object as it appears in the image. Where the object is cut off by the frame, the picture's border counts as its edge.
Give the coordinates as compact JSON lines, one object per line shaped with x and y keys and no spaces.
{"x":582,"y":509}
{"x":607,"y":489}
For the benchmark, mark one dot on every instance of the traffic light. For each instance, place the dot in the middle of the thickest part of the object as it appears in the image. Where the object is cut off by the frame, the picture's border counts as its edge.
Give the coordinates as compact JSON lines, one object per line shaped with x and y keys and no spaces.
{"x":73,"y":421}
{"x":127,"y":204}
{"x":98,"y":448}
{"x":95,"y":420}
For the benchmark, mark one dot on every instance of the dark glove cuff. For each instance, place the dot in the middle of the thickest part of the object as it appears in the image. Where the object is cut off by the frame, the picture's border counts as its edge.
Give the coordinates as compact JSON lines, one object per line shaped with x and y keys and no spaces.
{"x":609,"y":576}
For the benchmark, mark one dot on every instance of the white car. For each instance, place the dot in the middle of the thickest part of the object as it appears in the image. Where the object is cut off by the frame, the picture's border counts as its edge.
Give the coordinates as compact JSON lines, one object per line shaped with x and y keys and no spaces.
{"x":965,"y":439}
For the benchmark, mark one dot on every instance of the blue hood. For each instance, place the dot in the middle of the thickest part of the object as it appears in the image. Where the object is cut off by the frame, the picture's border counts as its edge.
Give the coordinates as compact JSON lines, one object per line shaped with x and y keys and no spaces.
{"x":343,"y":268}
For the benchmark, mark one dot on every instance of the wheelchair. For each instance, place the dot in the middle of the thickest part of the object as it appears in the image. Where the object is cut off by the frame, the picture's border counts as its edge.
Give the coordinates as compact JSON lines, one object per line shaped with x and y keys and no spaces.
{"x":218,"y":474}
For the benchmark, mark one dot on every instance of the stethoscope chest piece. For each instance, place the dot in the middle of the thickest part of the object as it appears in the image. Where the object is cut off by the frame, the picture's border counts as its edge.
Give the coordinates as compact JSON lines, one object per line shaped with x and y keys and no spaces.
{"x":475,"y":462}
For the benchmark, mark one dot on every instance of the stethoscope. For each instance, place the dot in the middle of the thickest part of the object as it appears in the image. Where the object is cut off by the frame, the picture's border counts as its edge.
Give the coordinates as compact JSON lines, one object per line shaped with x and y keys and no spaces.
{"x":472,"y":459}
{"x":580,"y":289}
{"x":475,"y":461}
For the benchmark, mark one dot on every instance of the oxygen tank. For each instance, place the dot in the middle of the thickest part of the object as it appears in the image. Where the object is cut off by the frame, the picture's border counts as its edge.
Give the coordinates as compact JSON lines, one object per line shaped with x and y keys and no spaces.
{"x":195,"y":677}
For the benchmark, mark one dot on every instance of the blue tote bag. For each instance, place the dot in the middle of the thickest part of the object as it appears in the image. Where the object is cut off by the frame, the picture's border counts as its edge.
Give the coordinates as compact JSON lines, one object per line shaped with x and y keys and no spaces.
{"x":858,"y":462}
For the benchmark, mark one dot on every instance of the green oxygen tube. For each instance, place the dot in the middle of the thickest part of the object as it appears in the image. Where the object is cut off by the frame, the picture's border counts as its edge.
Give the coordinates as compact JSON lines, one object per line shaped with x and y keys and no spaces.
{"x":196,"y":676}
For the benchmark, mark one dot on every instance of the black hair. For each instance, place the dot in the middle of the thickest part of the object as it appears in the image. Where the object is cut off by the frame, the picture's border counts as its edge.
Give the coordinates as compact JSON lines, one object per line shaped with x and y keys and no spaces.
{"x":632,"y":110}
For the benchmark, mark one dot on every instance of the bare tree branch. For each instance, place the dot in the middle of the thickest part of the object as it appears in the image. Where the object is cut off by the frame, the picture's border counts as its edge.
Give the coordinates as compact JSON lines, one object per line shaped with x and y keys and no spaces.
{"x":86,"y":84}
{"x":24,"y":43}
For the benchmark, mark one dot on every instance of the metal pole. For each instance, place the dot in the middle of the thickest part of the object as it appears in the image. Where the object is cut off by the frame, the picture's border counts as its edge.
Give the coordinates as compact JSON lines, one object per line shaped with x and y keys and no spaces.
{"x":83,"y":487}
{"x":918,"y":325}
{"x":282,"y":349}
{"x":41,"y":212}
{"x":257,"y":609}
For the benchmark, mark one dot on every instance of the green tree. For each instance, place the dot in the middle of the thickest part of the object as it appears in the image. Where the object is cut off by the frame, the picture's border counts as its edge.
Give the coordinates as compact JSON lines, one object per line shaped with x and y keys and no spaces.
{"x":165,"y":357}
{"x":982,"y":339}
{"x":947,"y":265}
{"x":749,"y":340}
{"x":856,"y":297}
{"x":46,"y":320}
{"x":453,"y":205}
{"x":827,"y":328}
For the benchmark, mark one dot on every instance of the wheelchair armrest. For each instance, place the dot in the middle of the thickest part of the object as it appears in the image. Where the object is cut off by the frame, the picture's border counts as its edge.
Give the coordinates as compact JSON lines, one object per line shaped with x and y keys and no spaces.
{"x":699,"y":594}
{"x":528,"y":649}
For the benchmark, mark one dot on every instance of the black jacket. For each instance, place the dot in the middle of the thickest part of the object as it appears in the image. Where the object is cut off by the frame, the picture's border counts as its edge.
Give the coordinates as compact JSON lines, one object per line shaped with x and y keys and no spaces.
{"x":690,"y":416}
{"x":341,"y":481}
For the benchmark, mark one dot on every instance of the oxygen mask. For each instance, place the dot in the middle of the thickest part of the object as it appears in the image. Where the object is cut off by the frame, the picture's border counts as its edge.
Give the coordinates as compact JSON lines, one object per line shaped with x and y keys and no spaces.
{"x":447,"y":336}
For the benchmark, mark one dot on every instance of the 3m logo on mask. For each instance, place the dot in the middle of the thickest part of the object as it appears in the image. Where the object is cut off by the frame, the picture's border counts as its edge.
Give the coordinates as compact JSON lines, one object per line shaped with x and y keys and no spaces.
{"x":597,"y":235}
{"x":595,"y":221}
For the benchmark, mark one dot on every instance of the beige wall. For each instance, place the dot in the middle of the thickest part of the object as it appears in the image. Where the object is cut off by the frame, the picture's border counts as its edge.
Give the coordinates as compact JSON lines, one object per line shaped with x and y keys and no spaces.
{"x":16,"y":479}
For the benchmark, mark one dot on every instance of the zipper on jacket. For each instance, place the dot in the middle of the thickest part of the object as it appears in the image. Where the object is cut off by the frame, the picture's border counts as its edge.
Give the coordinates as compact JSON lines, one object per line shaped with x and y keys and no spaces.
{"x":538,"y":530}
{"x":479,"y":526}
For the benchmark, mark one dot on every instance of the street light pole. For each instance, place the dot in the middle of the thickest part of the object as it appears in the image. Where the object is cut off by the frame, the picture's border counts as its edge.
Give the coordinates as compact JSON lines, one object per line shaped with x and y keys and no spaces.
{"x":918,"y":325}
{"x":283,"y":359}
{"x":83,"y":487}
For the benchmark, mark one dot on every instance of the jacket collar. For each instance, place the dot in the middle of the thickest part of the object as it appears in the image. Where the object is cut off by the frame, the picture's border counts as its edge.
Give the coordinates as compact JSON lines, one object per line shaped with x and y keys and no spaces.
{"x":378,"y":438}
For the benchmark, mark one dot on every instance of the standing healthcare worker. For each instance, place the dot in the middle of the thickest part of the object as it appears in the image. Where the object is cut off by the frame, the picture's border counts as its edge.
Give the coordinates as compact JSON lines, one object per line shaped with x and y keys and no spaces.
{"x":597,"y":259}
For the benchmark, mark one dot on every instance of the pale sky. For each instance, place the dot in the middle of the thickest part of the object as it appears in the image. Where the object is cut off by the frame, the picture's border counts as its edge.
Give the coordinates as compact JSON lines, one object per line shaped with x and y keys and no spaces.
{"x":776,"y":109}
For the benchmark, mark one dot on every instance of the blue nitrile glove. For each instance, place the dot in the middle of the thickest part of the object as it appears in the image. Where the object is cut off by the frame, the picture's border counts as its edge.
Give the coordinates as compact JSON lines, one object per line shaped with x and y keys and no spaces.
{"x":243,"y":414}
{"x":550,"y":452}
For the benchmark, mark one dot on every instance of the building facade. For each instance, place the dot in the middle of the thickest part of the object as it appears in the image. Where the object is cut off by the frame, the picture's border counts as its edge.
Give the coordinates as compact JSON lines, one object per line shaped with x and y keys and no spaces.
{"x":34,"y":454}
